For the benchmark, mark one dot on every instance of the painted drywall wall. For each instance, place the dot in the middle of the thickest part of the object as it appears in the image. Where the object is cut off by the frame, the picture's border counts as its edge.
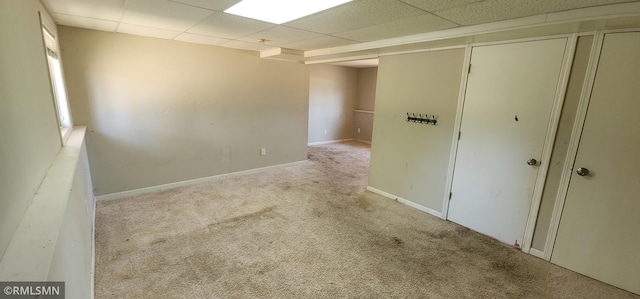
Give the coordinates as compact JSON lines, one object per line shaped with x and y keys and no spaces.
{"x":367,"y":79}
{"x":333,"y":92}
{"x":565,"y":127}
{"x":410,"y":160}
{"x":28,"y":127}
{"x":161,"y":111}
{"x":72,"y":258}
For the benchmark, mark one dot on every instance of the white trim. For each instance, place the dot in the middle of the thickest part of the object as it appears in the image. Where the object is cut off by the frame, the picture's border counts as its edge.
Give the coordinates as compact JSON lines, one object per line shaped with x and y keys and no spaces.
{"x":329,"y":142}
{"x":341,"y":59}
{"x":537,"y":253}
{"x":550,"y":137}
{"x":523,"y":40}
{"x":129,"y":193}
{"x":363,"y":141}
{"x":406,"y":202}
{"x":363,"y":111}
{"x":557,"y":18}
{"x":589,"y":33}
{"x":93,"y":252}
{"x":422,"y":50}
{"x":456,"y":130}
{"x":572,"y":151}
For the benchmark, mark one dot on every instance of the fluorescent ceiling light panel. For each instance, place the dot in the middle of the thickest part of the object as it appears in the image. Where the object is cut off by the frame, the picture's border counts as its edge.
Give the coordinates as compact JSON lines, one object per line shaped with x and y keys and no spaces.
{"x":280,"y":11}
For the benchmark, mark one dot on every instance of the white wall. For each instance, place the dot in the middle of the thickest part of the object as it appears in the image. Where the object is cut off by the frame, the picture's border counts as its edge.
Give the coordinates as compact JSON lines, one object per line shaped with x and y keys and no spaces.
{"x":411,"y":160}
{"x":332,"y":97}
{"x":28,"y":127}
{"x":50,"y":241}
{"x":161,"y":111}
{"x":72,"y":259}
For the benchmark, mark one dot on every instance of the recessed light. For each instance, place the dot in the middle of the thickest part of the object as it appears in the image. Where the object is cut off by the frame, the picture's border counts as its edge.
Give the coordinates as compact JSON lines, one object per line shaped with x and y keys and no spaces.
{"x":280,"y":11}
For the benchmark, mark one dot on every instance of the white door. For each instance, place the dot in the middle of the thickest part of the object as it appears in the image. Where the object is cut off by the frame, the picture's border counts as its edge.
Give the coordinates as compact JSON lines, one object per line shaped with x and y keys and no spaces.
{"x":599,"y":233}
{"x":507,"y":109}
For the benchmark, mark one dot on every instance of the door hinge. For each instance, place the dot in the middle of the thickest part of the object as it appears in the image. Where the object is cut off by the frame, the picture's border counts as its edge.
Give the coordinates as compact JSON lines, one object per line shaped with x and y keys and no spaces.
{"x":450,"y":195}
{"x":459,"y":134}
{"x":469,"y":70}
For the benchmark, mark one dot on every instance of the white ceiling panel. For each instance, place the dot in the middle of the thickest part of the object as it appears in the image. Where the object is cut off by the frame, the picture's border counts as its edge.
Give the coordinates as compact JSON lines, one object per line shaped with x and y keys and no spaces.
{"x":404,"y":27}
{"x":229,"y":26}
{"x":436,"y":5}
{"x":236,"y":44}
{"x":281,"y":35}
{"x":324,"y":41}
{"x":111,"y":10}
{"x":163,"y":14}
{"x":219,"y":5}
{"x":356,"y":14}
{"x":358,"y":21}
{"x":147,"y":31}
{"x":201,"y":39}
{"x":498,"y":10}
{"x":82,"y":22}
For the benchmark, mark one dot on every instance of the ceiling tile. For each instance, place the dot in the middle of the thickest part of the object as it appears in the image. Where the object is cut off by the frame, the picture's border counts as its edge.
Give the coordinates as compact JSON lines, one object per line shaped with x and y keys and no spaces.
{"x":435,"y":5}
{"x":146,"y":31}
{"x":322,"y":42}
{"x":82,"y":22}
{"x":111,"y":10}
{"x":163,"y":14}
{"x":498,"y":10}
{"x":280,"y":35}
{"x":219,"y":5}
{"x":200,"y":39}
{"x":356,"y":14}
{"x":414,"y":25}
{"x":236,"y":44}
{"x":229,"y":26}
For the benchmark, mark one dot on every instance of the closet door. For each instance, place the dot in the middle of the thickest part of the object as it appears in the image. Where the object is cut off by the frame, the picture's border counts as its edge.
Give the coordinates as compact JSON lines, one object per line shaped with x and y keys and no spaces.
{"x":599,"y":233}
{"x":510,"y":94}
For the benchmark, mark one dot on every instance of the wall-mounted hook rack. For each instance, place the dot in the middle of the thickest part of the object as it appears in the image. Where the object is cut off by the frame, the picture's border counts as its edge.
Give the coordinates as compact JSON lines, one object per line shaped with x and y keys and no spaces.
{"x":426,"y":119}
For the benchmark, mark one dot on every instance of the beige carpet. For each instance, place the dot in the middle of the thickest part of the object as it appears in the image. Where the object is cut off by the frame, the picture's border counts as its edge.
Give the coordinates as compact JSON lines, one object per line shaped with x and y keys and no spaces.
{"x":309,"y":231}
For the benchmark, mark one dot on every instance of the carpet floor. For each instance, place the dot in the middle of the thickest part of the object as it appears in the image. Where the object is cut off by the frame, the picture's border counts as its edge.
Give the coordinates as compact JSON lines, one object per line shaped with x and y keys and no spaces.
{"x":309,"y":231}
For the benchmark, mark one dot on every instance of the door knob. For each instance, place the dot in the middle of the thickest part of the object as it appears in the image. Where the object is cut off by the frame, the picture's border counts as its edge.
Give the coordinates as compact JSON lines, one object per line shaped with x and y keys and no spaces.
{"x":582,"y":171}
{"x":532,"y":161}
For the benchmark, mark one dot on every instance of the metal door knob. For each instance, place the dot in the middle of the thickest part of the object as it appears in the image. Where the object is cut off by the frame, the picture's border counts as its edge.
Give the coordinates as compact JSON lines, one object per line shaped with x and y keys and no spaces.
{"x":582,"y":171}
{"x":532,"y":161}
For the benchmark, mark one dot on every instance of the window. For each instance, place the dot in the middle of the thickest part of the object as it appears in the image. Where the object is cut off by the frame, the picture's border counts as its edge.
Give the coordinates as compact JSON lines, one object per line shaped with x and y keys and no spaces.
{"x":57,"y":83}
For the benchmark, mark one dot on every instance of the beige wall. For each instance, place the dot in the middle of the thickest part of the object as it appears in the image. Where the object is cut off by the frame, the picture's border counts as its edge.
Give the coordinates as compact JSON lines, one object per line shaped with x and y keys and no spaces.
{"x":28,"y":127}
{"x":367,"y":78}
{"x":558,"y":156}
{"x":161,"y":111}
{"x":333,"y":92}
{"x":411,"y":160}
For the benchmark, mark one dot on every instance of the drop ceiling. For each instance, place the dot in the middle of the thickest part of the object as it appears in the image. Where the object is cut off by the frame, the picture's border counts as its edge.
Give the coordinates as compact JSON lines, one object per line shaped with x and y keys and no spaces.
{"x":359,"y":26}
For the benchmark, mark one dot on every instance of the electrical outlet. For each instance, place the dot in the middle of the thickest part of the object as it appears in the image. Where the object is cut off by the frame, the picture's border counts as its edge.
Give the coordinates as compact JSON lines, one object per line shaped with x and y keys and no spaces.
{"x":358,"y":130}
{"x":325,"y":131}
{"x":263,"y":151}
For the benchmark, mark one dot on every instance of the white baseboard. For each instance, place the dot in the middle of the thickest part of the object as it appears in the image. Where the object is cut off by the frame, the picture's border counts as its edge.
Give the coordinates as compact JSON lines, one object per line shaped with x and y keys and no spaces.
{"x":329,"y":142}
{"x":145,"y":190}
{"x":363,"y":141}
{"x":537,"y":253}
{"x":406,"y":202}
{"x":93,"y":252}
